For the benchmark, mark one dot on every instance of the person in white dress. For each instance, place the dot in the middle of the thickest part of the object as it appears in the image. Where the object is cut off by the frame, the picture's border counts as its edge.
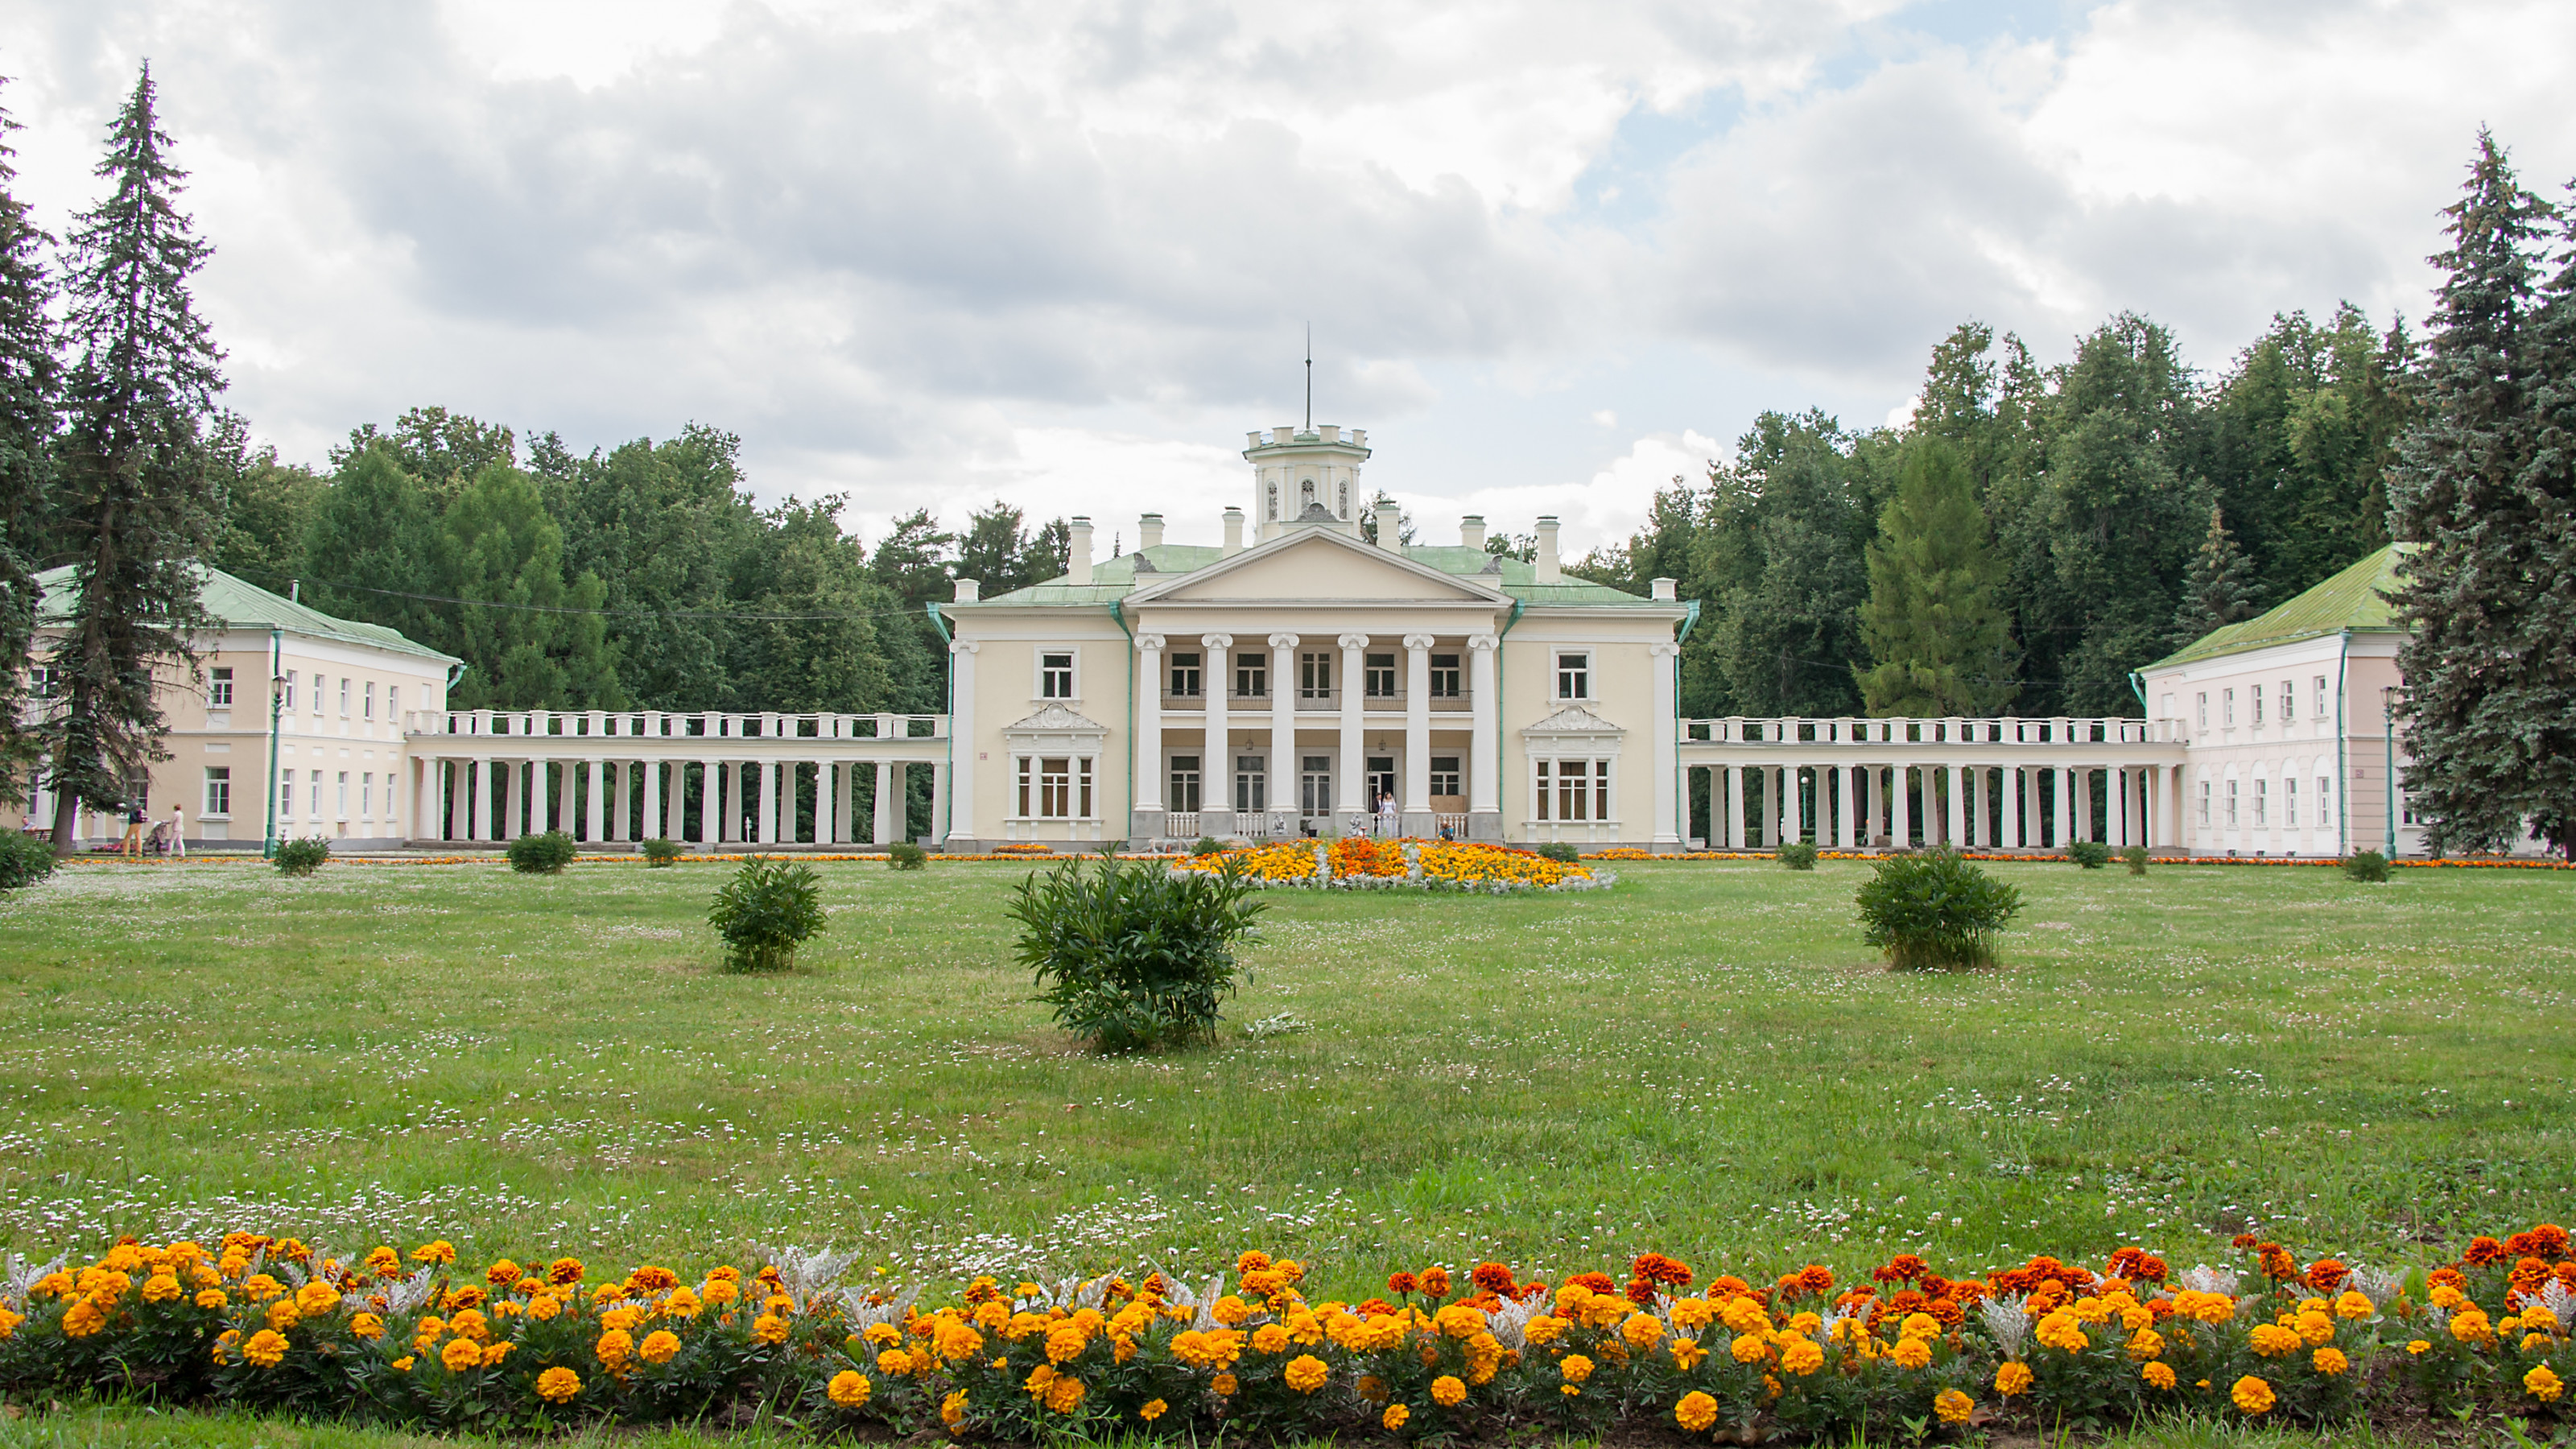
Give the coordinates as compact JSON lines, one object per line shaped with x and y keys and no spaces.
{"x":178,"y":830}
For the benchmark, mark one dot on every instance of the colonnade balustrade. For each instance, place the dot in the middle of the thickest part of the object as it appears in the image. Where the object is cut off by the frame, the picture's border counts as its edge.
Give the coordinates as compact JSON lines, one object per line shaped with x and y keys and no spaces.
{"x":2005,"y":784}
{"x":708,"y":778}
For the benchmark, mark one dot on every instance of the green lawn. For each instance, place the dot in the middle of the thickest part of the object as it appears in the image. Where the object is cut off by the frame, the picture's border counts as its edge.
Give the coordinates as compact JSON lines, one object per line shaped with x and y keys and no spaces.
{"x":1703,"y":1061}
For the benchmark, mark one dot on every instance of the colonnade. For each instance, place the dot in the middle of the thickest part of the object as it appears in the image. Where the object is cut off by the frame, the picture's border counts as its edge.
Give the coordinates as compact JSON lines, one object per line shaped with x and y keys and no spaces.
{"x":1974,"y":807}
{"x":600,"y":800}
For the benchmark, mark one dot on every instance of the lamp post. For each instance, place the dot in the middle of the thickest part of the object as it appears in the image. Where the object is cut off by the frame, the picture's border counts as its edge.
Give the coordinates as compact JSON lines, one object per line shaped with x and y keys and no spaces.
{"x":276,"y":702}
{"x":2388,"y":738}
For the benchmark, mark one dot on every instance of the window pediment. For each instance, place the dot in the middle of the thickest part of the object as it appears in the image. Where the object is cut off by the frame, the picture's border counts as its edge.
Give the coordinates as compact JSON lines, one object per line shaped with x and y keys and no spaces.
{"x":1574,"y":726}
{"x":1055,"y":725}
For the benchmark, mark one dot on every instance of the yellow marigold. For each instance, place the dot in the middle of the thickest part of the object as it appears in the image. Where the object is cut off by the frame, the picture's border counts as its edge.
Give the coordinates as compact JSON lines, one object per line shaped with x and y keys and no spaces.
{"x":2470,"y":1325}
{"x":470,"y":1324}
{"x":2158,"y":1376}
{"x":2063,"y":1330}
{"x":1574,"y":1367}
{"x":2330,"y":1360}
{"x":1743,"y":1315}
{"x":720,"y":1291}
{"x":2271,"y":1340}
{"x":848,"y":1388}
{"x":1230,"y":1310}
{"x":769,"y":1328}
{"x":1697,"y":1412}
{"x":1545,"y":1328}
{"x":2012,"y":1378}
{"x":1912,"y":1353}
{"x":1066,"y":1340}
{"x":384,"y":1263}
{"x":1307,"y":1373}
{"x":1953,"y":1406}
{"x":493,"y":1353}
{"x":9,"y":1322}
{"x":211,"y":1298}
{"x":2446,"y":1297}
{"x":367,"y":1326}
{"x":1687,"y":1353}
{"x":1449,"y":1391}
{"x":1395,"y":1416}
{"x":441,"y":1251}
{"x":266,"y":1348}
{"x":282,"y":1315}
{"x":682,"y":1302}
{"x":2252,"y":1395}
{"x":403,"y":1364}
{"x":2544,"y":1385}
{"x":84,"y":1318}
{"x":2204,"y":1307}
{"x":316,"y":1298}
{"x":1693,"y":1314}
{"x":1152,"y":1409}
{"x":1749,"y":1348}
{"x":2146,"y":1344}
{"x":2418,"y":1346}
{"x":161,"y":1288}
{"x":1268,"y":1338}
{"x":558,"y":1385}
{"x":1919,"y":1325}
{"x":2315,"y":1328}
{"x":1801,"y":1355}
{"x":2354,"y":1304}
{"x":894,"y":1363}
{"x":1641,"y":1330}
{"x":614,"y":1348}
{"x":2538,"y":1343}
{"x":659,"y":1346}
{"x":1455,"y":1320}
{"x":461,"y":1354}
{"x":544,"y":1307}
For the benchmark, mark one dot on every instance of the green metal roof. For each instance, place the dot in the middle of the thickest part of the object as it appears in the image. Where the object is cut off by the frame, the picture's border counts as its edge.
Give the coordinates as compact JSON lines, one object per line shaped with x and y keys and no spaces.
{"x":235,"y":604}
{"x":1114,"y":578}
{"x":2355,"y":600}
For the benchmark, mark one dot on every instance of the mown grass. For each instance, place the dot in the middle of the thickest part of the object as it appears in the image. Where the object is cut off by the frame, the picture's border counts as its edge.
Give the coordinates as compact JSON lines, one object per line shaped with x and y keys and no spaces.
{"x":1703,"y":1061}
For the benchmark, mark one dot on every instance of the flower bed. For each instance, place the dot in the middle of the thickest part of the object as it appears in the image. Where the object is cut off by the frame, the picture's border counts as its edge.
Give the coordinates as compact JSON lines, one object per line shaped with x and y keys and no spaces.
{"x":1361,"y":863}
{"x":275,"y":1324}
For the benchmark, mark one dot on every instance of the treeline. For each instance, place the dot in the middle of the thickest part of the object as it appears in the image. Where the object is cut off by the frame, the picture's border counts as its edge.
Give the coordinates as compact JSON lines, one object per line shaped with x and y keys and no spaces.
{"x":2034,"y":533}
{"x":640,"y":577}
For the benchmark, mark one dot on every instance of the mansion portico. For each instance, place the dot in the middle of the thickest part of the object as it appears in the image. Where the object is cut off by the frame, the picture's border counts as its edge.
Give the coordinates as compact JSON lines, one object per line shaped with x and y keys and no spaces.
{"x":1295,"y":675}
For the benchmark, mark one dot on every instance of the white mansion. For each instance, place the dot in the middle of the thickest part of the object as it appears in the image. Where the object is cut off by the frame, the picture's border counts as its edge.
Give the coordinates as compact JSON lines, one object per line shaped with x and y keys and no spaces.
{"x":1300,"y":677}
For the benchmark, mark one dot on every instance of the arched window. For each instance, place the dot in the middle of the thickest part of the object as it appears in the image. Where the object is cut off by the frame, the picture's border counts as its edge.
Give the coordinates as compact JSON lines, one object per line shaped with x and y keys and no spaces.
{"x":1274,"y":501}
{"x":1346,"y":500}
{"x":1305,"y":495}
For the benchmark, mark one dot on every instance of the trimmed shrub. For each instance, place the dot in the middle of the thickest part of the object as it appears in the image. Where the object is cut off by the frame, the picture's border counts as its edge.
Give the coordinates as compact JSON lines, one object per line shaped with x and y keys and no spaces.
{"x":1560,"y":851}
{"x":765,"y":912}
{"x":659,"y":852}
{"x":543,"y":854}
{"x":904,"y":855}
{"x":2136,"y":856}
{"x":2090,"y":854}
{"x":302,"y":857}
{"x":2368,"y":865}
{"x":1797,"y":854}
{"x":1133,"y":956}
{"x":24,"y":860}
{"x":1931,"y":910}
{"x":1208,"y":845}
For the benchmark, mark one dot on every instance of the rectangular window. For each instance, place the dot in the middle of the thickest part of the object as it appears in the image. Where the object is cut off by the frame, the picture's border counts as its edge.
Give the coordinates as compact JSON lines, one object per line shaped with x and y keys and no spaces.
{"x":2262,"y":801}
{"x":1252,"y":676}
{"x":344,"y":792}
{"x":219,"y":688}
{"x":43,"y":682}
{"x":286,"y":794}
{"x":1315,"y":785}
{"x":1314,"y":676}
{"x":318,"y":683}
{"x":2290,"y":801}
{"x":1251,"y":784}
{"x":2254,"y":697}
{"x":2320,"y":710}
{"x":1546,"y":791}
{"x":1082,"y":787}
{"x":1444,"y":676}
{"x":288,"y":699}
{"x":1185,"y":676}
{"x":2231,"y":804}
{"x":2324,"y":784}
{"x":1055,"y":676}
{"x":316,"y":793}
{"x":2289,"y":703}
{"x":344,"y":696}
{"x":1380,"y":683}
{"x":1055,"y":786}
{"x":1028,"y":786}
{"x":2204,"y":796}
{"x":1185,"y":783}
{"x":2405,"y":808}
{"x":370,"y":700}
{"x":1574,"y":676}
{"x":219,"y":790}
{"x":367,"y":795}
{"x":2204,"y":709}
{"x":2227,"y":708}
{"x":1444,"y":775}
{"x":393,"y":702}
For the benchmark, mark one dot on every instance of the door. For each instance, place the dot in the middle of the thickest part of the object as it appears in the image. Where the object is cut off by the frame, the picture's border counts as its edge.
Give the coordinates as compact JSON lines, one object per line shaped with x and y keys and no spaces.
{"x":1381,"y":781}
{"x":1185,"y":784}
{"x":1315,"y":785}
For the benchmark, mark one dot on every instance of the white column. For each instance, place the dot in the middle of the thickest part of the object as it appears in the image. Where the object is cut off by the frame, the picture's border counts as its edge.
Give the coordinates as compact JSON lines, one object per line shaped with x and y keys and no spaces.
{"x":883,"y":830}
{"x":537,"y":787}
{"x":963,"y":742}
{"x":1417,"y":735}
{"x":938,"y":788}
{"x":823,"y":803}
{"x":1216,"y":756}
{"x":1843,"y":830}
{"x":646,"y":826}
{"x":1900,"y":828}
{"x":2083,"y":804}
{"x":1484,"y":752}
{"x":769,"y":787}
{"x":1734,"y":807}
{"x":2123,"y":782}
{"x":596,"y":814}
{"x":1149,"y":735}
{"x":1958,"y":834}
{"x":1283,"y":723}
{"x":2008,"y":807}
{"x":2064,"y":812}
{"x":1669,"y":788}
{"x":1353,"y":764}
{"x":707,"y":787}
{"x":476,"y":776}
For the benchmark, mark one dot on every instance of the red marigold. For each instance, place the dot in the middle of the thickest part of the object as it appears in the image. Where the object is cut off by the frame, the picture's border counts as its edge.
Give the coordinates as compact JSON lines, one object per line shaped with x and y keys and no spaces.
{"x":2483,"y":1251}
{"x":2150,"y":1269}
{"x":1534,"y":1288}
{"x":1816,"y":1278}
{"x":1371,"y":1307}
{"x":2244,"y":1240}
{"x":2529,"y":1274}
{"x":2549,"y":1241}
{"x":1253,"y":1261}
{"x":1903,"y":1268}
{"x":1435,"y":1282}
{"x":1597,"y":1282}
{"x":1946,"y":1313}
{"x":1727,"y":1285}
{"x":2325,"y":1275}
{"x":2447,"y":1278}
{"x":1658,"y":1269}
{"x":1907,"y":1300}
{"x":1492,"y":1277}
{"x":2277,"y":1262}
{"x":1640,"y":1292}
{"x":1968,"y":1292}
{"x":654,"y":1280}
{"x":1933,"y":1285}
{"x":1401,"y":1283}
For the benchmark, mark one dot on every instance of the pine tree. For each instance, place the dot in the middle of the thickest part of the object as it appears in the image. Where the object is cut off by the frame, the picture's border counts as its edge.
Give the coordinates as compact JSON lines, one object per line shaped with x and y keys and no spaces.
{"x":2476,"y":700}
{"x":2218,"y":588}
{"x":1933,"y":622}
{"x":135,"y":505}
{"x":29,"y":376}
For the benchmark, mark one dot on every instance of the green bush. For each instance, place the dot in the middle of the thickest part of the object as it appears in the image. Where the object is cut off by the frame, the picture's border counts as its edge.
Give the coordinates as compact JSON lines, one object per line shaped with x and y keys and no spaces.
{"x":1208,"y":845}
{"x":1797,"y":854}
{"x":302,"y":857}
{"x":2368,"y":865}
{"x":765,"y":912}
{"x":1559,"y":850}
{"x":544,"y":854}
{"x":1133,"y":956}
{"x":2136,"y":856}
{"x":659,"y":852}
{"x":1933,"y":909}
{"x":2090,"y":854}
{"x":24,"y":860}
{"x":904,"y":855}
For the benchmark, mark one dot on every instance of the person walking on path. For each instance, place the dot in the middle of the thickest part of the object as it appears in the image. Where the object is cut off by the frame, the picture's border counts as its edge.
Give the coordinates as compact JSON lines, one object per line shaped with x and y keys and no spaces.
{"x":178,"y":829}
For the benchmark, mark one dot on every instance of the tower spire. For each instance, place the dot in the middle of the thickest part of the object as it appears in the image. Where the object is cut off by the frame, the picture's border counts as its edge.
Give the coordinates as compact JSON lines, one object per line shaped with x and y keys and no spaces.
{"x":1310,"y":377}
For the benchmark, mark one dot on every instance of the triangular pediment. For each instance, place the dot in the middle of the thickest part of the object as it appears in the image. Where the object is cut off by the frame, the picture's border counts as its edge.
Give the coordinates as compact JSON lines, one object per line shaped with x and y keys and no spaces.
{"x":1055,"y":719}
{"x":1319,"y":564}
{"x":1573,"y":719}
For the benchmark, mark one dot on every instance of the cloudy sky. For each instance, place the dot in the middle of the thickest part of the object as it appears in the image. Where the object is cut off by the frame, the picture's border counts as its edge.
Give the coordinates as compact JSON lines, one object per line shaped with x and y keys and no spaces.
{"x":1064,"y":253}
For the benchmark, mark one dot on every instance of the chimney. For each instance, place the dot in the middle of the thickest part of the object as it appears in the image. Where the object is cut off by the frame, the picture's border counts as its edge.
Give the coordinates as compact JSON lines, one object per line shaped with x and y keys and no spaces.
{"x":1233,"y":532}
{"x":1329,"y":432}
{"x":1471,"y":531}
{"x":968,"y":591}
{"x":1149,"y":532}
{"x":1285,"y":434}
{"x":1078,"y":560}
{"x":1389,"y":522}
{"x":1548,"y":572}
{"x":1667,"y":591}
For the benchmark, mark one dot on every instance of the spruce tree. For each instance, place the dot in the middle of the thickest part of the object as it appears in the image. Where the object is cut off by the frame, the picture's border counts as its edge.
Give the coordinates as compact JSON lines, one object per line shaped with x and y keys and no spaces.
{"x":1933,"y":623}
{"x":2478,"y":705}
{"x":135,"y":506}
{"x":29,"y":376}
{"x":2218,"y":588}
{"x":2543,"y":693}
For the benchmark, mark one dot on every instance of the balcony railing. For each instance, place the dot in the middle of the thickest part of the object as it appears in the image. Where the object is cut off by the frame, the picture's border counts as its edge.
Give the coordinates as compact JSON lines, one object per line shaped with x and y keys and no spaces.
{"x":1742,"y":730}
{"x":665,"y":724}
